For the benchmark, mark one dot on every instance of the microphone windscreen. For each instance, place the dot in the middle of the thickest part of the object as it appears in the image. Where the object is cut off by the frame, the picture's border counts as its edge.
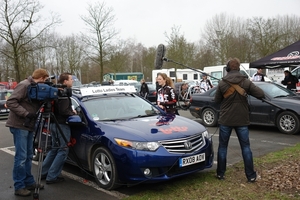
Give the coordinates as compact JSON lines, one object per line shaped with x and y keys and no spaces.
{"x":160,"y":53}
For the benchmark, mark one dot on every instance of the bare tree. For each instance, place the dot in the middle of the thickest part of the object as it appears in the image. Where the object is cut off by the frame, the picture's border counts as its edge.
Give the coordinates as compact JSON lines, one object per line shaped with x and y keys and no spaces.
{"x":272,"y":34}
{"x":119,"y":58}
{"x":148,"y":58}
{"x":226,"y":36}
{"x":17,"y":20}
{"x":179,"y":49}
{"x":75,"y":54}
{"x":99,"y":22}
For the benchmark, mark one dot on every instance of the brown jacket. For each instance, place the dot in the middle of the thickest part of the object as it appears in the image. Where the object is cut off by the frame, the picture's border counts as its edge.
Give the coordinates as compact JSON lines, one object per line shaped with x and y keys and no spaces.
{"x":234,"y":110}
{"x":20,"y":106}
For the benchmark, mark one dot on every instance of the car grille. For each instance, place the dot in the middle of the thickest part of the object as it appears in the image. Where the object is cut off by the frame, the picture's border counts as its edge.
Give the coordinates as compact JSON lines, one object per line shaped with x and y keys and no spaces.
{"x":184,"y":145}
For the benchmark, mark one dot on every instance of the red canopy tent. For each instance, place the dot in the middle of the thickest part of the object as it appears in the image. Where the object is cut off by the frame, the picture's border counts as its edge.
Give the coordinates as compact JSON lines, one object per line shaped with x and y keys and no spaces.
{"x":286,"y":57}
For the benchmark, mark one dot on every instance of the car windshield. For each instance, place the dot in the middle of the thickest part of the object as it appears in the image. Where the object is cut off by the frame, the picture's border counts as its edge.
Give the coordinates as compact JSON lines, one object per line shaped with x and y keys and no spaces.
{"x":119,"y":107}
{"x":275,"y":90}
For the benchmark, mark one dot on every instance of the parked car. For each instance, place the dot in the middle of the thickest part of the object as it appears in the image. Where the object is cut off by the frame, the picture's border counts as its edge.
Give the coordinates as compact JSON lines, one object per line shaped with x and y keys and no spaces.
{"x":286,"y":118}
{"x":124,"y":139}
{"x":152,"y":93}
{"x":4,"y":111}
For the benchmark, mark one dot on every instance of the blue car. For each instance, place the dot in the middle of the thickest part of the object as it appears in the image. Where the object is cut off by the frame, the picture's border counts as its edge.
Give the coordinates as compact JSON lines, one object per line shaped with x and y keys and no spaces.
{"x":124,"y":139}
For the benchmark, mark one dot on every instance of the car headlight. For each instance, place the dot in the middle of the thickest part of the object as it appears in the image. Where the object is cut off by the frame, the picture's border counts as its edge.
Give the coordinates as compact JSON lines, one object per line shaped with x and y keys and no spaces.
{"x":206,"y":134}
{"x":143,"y":146}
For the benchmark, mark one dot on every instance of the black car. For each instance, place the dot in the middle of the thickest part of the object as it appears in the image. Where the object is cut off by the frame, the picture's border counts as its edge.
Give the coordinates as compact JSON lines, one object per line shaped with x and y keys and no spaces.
{"x":283,"y":114}
{"x":152,"y":93}
{"x":4,"y":94}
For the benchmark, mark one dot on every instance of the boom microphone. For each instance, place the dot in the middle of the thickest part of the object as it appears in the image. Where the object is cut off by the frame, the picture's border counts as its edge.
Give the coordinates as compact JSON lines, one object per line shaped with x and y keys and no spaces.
{"x":159,"y":59}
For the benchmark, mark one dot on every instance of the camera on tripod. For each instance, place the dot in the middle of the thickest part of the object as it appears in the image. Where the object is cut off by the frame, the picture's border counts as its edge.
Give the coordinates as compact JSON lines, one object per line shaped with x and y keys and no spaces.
{"x":48,"y":91}
{"x":45,"y":93}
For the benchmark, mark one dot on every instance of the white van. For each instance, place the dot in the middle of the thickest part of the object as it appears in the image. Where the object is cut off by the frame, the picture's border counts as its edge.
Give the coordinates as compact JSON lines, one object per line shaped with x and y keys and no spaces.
{"x":296,"y":72}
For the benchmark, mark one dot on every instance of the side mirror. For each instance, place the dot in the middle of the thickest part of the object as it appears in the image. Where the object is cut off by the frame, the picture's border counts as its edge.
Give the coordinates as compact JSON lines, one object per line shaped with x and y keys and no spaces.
{"x":74,"y":120}
{"x":78,"y":109}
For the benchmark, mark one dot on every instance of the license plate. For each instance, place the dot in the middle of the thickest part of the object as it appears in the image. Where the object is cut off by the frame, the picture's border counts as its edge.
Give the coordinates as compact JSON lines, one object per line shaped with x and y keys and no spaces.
{"x":191,"y":160}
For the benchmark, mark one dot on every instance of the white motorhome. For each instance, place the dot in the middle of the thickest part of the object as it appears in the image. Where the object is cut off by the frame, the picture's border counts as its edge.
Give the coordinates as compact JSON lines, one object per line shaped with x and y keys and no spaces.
{"x":179,"y":75}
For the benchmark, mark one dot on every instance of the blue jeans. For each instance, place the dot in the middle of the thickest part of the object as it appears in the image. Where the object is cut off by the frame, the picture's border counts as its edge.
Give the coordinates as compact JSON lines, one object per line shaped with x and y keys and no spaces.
{"x":56,"y":157}
{"x":23,"y":141}
{"x":242,"y":133}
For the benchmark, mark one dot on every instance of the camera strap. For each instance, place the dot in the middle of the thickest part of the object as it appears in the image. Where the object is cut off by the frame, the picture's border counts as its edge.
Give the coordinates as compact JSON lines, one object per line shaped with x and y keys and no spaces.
{"x":234,"y":87}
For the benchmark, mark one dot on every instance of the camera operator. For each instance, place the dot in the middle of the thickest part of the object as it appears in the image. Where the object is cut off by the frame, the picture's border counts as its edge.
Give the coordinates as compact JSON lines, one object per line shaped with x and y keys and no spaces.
{"x":55,"y":159}
{"x":21,"y":122}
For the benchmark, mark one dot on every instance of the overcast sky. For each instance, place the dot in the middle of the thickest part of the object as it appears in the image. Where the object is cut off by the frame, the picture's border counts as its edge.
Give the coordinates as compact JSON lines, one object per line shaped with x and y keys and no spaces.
{"x":146,"y":21}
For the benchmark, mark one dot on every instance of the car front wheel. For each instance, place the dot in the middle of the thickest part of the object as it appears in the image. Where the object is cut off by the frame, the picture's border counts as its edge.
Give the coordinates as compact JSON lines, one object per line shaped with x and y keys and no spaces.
{"x":104,"y":169}
{"x":288,"y":123}
{"x":209,"y":117}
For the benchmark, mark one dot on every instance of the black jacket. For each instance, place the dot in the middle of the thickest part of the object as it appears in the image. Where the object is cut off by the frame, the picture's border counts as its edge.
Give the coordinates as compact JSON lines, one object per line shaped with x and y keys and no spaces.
{"x":166,"y":97}
{"x":234,"y":110}
{"x":290,"y":82}
{"x":63,"y":109}
{"x":144,"y":89}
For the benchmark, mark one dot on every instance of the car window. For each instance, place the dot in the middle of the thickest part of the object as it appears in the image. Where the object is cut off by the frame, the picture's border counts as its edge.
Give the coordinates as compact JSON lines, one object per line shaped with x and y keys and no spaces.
{"x":118,"y":107}
{"x":4,"y":94}
{"x":212,"y":94}
{"x":74,"y":103}
{"x":151,"y":87}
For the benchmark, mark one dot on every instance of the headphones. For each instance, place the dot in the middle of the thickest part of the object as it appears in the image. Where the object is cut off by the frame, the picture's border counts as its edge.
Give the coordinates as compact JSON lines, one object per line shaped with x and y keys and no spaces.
{"x":228,"y":67}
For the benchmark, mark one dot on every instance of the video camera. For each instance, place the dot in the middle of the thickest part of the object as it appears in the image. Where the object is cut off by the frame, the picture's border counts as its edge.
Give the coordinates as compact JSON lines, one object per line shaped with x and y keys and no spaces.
{"x":48,"y":91}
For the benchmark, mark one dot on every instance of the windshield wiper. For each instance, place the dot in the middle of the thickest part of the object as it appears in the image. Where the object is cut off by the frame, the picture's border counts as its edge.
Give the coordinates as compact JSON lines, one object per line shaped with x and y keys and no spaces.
{"x":281,"y":96}
{"x":141,"y":116}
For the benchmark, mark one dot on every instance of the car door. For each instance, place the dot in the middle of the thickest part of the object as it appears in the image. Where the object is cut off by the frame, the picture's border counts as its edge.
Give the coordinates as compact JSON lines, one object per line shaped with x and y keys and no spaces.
{"x":260,"y":112}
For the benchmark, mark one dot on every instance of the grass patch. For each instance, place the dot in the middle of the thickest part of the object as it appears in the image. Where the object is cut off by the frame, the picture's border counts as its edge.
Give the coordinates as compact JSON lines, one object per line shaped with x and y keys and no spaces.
{"x":280,"y":179}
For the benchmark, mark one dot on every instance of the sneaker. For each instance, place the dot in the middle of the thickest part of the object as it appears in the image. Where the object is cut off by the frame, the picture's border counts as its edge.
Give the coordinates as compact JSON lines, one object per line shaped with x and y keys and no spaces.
{"x":220,"y":177}
{"x":57,"y":180}
{"x":252,"y":180}
{"x":22,"y":192}
{"x":33,"y":186}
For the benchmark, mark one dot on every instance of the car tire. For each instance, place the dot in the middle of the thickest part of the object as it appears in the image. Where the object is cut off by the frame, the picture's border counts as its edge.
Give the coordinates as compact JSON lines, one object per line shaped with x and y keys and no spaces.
{"x":104,"y":169}
{"x":288,"y":123}
{"x":209,"y":117}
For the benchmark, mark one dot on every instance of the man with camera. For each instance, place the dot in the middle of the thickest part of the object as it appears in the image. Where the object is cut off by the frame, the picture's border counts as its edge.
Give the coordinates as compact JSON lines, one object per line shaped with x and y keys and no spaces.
{"x":55,"y":159}
{"x":21,"y":122}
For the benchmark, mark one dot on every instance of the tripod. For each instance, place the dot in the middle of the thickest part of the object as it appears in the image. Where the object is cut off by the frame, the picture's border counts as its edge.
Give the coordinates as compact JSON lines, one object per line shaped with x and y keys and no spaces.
{"x":45,"y":117}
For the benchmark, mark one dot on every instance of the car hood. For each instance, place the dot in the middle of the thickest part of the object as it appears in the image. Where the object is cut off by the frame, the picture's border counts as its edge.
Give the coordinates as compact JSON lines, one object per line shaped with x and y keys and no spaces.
{"x":288,"y":103}
{"x":152,"y":128}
